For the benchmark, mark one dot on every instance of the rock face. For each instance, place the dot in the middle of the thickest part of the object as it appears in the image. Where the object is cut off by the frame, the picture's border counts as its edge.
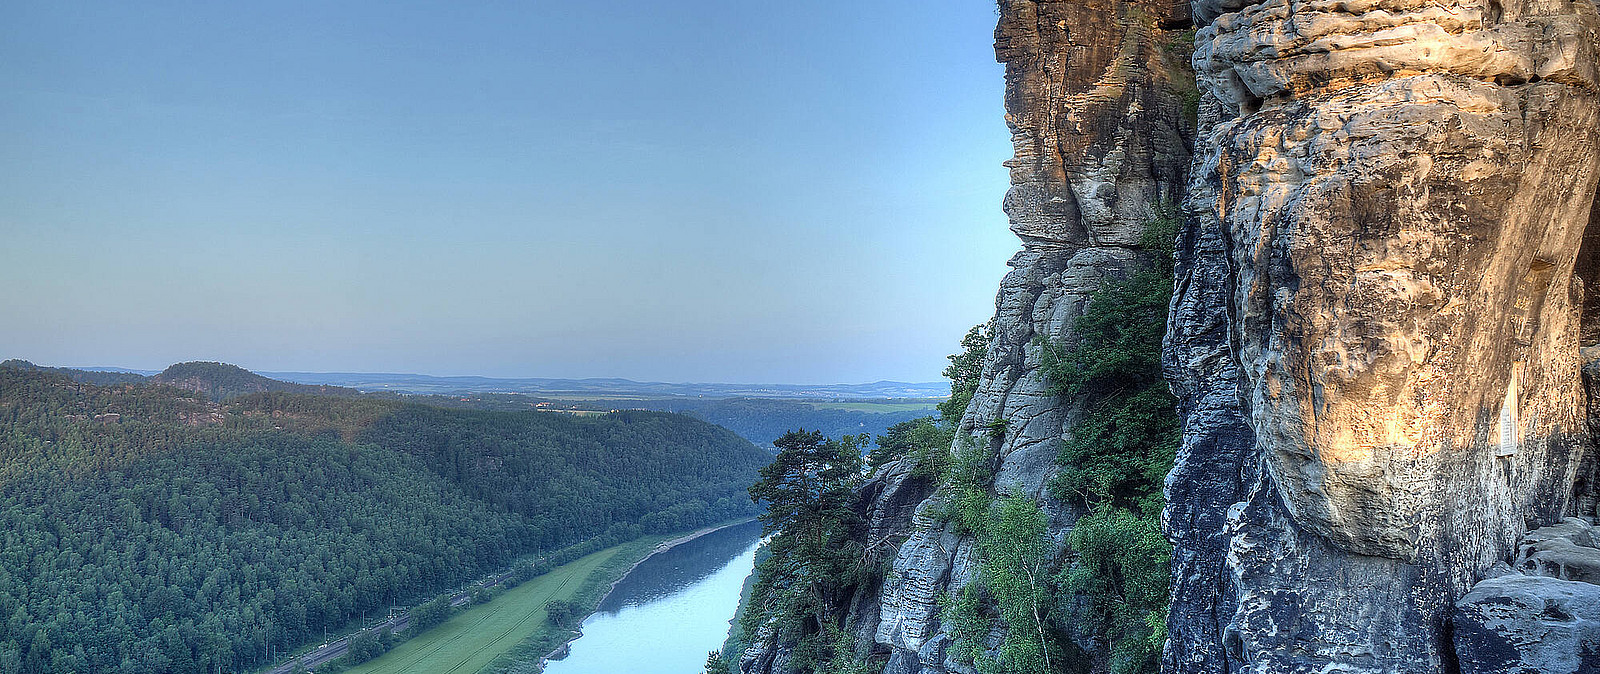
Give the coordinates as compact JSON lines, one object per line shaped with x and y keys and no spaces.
{"x":1374,"y":338}
{"x":1376,"y":328}
{"x":1096,"y":95}
{"x":1543,"y":617}
{"x":1515,"y":624}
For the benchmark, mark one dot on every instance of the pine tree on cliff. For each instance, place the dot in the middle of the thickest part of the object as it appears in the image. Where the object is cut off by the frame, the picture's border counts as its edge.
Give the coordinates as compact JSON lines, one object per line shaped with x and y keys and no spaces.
{"x":808,"y":489}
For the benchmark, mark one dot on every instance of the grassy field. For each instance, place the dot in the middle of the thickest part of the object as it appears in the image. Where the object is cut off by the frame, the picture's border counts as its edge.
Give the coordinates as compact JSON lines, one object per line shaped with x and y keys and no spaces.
{"x":881,"y":406}
{"x":475,"y":637}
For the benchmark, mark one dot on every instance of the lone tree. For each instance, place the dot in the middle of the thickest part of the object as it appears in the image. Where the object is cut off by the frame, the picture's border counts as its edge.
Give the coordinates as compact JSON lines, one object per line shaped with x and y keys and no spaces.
{"x":808,"y":490}
{"x":715,"y":664}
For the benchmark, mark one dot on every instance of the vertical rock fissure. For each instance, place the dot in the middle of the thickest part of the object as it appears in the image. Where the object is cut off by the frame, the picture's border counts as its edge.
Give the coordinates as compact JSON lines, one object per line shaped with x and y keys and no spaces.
{"x":1587,"y":269}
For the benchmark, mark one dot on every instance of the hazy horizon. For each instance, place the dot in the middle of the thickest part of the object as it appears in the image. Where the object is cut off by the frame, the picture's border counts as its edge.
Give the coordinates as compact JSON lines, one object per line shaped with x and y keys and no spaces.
{"x":709,"y":191}
{"x":152,"y":370}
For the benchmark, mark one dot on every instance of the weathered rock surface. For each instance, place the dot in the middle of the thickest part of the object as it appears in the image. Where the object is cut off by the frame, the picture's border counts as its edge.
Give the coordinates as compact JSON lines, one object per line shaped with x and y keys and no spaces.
{"x":1543,"y":617}
{"x":1095,"y":99}
{"x":1517,"y":624}
{"x":1381,"y":290}
{"x":1375,"y":336}
{"x":1569,"y":551}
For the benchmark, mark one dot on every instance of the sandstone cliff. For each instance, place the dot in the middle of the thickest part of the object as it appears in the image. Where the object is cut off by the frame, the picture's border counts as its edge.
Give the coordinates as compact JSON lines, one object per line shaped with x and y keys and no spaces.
{"x":1099,"y":101}
{"x":1095,"y":99}
{"x":1377,"y":324}
{"x":1374,"y":338}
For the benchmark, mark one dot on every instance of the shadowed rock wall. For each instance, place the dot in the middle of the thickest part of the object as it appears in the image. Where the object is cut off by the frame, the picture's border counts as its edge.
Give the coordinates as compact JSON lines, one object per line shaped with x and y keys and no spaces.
{"x":1375,"y":336}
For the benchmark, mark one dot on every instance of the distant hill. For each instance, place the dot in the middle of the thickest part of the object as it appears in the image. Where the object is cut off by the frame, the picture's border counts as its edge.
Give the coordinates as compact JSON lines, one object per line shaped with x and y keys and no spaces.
{"x":421,"y":383}
{"x":763,"y":420}
{"x":759,"y":420}
{"x":219,"y":381}
{"x":237,"y":380}
{"x":102,"y":378}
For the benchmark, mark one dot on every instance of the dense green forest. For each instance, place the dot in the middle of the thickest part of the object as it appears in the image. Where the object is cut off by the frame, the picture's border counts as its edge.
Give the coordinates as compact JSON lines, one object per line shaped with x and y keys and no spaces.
{"x":763,"y":420}
{"x":146,"y":529}
{"x":759,"y":420}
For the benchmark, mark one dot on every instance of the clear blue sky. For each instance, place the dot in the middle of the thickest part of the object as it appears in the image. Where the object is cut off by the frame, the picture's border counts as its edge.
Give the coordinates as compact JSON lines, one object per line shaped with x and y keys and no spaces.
{"x":697,"y":190}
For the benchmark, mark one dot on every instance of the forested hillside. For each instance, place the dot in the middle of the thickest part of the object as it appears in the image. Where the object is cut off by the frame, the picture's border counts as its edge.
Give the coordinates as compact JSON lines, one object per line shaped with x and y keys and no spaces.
{"x":759,"y":420}
{"x":219,"y":381}
{"x":146,"y":529}
{"x":763,"y":420}
{"x":86,"y":376}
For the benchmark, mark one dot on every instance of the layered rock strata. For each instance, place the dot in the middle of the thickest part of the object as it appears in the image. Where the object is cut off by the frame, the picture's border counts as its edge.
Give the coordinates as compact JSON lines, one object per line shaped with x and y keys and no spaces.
{"x":1097,"y":99}
{"x":1375,"y":335}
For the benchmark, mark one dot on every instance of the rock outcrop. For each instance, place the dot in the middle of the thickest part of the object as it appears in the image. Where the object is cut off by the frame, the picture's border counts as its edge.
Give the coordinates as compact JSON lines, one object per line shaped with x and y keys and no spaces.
{"x":1376,"y":331}
{"x":1389,"y":228}
{"x":1098,"y":97}
{"x":886,"y":505}
{"x":1095,"y":98}
{"x":1543,"y":616}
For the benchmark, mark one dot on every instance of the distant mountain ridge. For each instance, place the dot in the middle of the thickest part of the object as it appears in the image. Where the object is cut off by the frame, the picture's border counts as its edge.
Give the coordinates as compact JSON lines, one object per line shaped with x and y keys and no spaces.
{"x":399,"y":382}
{"x":213,"y":380}
{"x":221,"y":380}
{"x":419,"y":383}
{"x":100,"y":377}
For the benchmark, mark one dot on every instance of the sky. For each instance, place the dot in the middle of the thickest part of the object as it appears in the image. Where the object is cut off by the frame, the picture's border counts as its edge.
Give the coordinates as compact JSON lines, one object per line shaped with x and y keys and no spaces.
{"x":695,"y":190}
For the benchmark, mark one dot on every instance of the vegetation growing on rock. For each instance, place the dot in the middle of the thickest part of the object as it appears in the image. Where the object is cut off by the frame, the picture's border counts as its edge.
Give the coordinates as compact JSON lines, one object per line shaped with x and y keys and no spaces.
{"x":1112,"y":588}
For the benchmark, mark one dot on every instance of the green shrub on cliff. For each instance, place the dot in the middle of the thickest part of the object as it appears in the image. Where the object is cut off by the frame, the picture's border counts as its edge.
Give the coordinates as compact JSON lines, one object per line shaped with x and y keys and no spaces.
{"x":964,"y":372}
{"x":816,"y":559}
{"x":1122,"y":574}
{"x":1117,"y":456}
{"x":1122,"y":449}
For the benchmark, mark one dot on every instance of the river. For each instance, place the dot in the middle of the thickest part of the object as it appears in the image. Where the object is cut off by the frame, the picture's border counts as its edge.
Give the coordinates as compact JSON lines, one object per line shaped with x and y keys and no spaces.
{"x":665,"y":615}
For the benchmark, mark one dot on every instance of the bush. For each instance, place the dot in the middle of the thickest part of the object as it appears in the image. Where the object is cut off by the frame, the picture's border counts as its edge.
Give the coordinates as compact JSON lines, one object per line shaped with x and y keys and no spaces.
{"x":431,"y":613}
{"x":1123,"y":571}
{"x":561,"y":613}
{"x":367,"y":645}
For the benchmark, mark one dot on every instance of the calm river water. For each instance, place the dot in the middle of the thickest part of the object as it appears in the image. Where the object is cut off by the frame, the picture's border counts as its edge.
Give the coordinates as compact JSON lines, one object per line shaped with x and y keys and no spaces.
{"x":665,"y":615}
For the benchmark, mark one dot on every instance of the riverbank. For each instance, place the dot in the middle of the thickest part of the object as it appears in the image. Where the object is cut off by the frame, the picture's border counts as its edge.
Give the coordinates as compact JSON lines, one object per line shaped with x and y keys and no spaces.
{"x":663,"y":547}
{"x":561,"y":649}
{"x":512,"y":633}
{"x":476,"y":637}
